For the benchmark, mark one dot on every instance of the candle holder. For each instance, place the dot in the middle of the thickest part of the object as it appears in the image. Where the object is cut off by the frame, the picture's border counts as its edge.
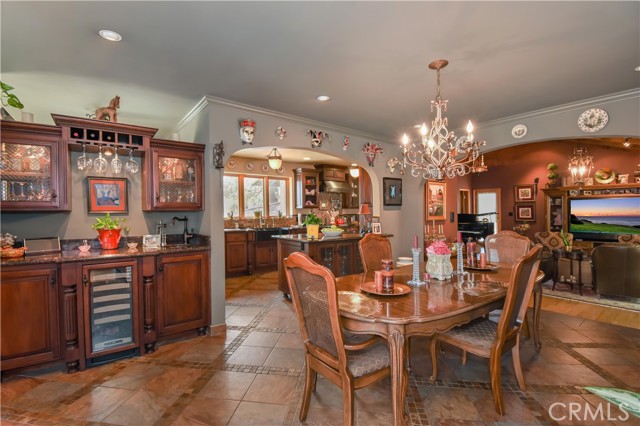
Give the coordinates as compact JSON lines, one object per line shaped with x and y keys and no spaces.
{"x":415,"y":280}
{"x":459,"y":259}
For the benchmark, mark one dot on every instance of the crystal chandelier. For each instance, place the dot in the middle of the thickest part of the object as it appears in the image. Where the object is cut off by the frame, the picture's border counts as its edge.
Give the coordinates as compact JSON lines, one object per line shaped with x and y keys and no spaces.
{"x":580,"y":165}
{"x":440,"y":154}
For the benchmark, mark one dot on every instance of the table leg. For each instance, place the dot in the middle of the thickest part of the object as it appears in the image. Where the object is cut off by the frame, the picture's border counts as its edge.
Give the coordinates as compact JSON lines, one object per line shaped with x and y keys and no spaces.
{"x":537,"y":307}
{"x":398,"y":375}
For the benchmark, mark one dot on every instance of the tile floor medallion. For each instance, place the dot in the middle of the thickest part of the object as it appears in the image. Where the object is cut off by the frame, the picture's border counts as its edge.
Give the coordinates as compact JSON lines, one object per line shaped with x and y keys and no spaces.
{"x":253,"y":375}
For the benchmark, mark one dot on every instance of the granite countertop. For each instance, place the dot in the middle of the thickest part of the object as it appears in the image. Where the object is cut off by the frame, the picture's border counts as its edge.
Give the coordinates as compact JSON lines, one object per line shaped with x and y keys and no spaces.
{"x":97,"y":254}
{"x":303,"y":238}
{"x":284,"y":228}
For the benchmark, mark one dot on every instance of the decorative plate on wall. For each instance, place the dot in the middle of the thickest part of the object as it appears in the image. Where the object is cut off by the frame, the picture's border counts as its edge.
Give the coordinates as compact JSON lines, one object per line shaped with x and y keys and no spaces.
{"x":280,"y":170}
{"x":249,"y":166}
{"x":265,"y":168}
{"x":231,"y":164}
{"x":519,"y":131}
{"x":593,"y":120}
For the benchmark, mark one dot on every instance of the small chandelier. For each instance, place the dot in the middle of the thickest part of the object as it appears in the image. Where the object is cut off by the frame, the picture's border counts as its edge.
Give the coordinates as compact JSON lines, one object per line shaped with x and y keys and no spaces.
{"x":580,"y":165}
{"x":275,"y":159}
{"x":354,"y":171}
{"x":441,"y":155}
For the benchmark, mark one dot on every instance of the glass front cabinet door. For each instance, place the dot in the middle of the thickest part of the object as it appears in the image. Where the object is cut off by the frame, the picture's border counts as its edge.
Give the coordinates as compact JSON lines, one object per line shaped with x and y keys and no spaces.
{"x":33,"y":169}
{"x":176,"y":176}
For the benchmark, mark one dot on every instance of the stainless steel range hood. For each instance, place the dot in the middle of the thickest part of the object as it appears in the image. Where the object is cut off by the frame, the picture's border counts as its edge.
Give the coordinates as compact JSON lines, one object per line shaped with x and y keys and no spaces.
{"x":333,"y":186}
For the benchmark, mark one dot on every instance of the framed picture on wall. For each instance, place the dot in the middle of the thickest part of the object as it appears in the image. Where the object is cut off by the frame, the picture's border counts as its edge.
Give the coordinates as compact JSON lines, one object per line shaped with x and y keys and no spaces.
{"x":524,"y":193}
{"x":526,"y":212}
{"x":434,"y":198}
{"x":107,"y":195}
{"x":392,"y":191}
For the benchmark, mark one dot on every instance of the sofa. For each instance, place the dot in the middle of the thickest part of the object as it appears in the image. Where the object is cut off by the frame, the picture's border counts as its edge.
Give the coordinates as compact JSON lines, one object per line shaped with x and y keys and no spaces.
{"x":616,"y":269}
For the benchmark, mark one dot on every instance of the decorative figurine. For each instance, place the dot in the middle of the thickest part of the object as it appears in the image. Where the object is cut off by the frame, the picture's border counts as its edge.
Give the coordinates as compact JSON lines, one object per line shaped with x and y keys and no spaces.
{"x":110,"y":112}
{"x":345,"y":143}
{"x":317,"y":137}
{"x":371,"y":151}
{"x":281,"y":132}
{"x":247,"y":130}
{"x":218,"y":155}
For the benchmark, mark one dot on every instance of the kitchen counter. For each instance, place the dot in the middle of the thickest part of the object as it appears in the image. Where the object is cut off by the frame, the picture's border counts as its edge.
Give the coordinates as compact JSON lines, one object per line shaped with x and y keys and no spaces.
{"x":303,"y":238}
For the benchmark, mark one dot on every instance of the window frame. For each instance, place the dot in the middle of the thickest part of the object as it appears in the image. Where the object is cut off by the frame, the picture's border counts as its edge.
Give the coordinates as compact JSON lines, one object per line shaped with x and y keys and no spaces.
{"x":265,"y":191}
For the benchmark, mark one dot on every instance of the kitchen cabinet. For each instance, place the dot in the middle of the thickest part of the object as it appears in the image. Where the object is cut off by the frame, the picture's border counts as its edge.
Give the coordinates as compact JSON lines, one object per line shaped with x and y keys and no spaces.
{"x":266,"y":255}
{"x":33,"y":168}
{"x":174,"y":176}
{"x":183,"y":293}
{"x":353,"y":197}
{"x":307,"y":187}
{"x":235,"y":253}
{"x":336,"y":174}
{"x":338,"y":257}
{"x":29,"y":300}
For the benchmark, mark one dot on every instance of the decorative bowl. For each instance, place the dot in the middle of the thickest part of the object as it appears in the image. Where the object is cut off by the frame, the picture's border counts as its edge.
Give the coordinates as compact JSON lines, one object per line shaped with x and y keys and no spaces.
{"x":132,"y":245}
{"x":12,"y":252}
{"x":84,"y":248}
{"x":332,"y":232}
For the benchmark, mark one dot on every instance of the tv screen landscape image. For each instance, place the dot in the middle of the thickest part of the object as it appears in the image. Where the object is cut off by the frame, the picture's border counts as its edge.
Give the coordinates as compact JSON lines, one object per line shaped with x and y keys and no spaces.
{"x":604,"y":218}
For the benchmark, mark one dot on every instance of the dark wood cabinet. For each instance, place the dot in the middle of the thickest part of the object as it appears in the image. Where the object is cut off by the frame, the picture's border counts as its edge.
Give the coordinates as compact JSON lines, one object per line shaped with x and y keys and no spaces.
{"x":174,"y":176}
{"x":307,"y":187}
{"x":235,"y":255}
{"x":183,"y":293}
{"x":266,"y":255}
{"x":336,"y":174}
{"x":29,"y":300}
{"x":33,"y":168}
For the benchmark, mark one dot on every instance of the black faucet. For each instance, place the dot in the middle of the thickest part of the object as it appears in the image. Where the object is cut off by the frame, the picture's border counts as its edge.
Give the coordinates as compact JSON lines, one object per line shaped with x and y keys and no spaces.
{"x":185,"y":234}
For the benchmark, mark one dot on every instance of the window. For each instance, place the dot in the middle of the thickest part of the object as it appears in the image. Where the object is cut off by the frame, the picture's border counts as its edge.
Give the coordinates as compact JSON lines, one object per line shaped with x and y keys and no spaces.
{"x":246,"y":195}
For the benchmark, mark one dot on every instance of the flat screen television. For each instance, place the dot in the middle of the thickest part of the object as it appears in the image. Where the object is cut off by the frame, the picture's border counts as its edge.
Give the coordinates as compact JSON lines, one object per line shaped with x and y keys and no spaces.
{"x":603,"y":219}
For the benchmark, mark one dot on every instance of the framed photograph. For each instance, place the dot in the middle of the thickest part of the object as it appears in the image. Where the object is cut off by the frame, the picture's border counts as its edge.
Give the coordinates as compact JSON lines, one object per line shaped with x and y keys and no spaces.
{"x":151,"y":241}
{"x":392,"y":191}
{"x":526,"y":212}
{"x":524,"y":193}
{"x":435,"y":197}
{"x":376,"y":228}
{"x":574,"y":193}
{"x":107,"y":195}
{"x":589,"y":192}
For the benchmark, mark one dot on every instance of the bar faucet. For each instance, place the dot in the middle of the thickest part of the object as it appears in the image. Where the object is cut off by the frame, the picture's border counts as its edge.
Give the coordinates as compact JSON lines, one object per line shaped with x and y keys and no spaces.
{"x":185,"y":234}
{"x":161,"y":229}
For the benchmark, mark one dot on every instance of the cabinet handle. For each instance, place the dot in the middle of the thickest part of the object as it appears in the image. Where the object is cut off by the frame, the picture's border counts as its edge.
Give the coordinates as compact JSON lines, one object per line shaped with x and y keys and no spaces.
{"x":84,"y":280}
{"x":54,"y":195}
{"x":53,"y":282}
{"x":160,"y":268}
{"x":157,"y":196}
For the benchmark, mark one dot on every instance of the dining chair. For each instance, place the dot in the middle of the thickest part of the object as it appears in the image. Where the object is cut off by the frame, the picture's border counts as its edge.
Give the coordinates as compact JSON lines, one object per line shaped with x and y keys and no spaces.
{"x":506,"y":246}
{"x":373,"y":248}
{"x":488,"y":339}
{"x":348,"y":360}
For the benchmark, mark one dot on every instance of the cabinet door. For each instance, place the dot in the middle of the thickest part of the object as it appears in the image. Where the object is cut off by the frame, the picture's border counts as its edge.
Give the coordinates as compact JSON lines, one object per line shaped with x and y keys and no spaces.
{"x":177,"y":177}
{"x":30,"y":333}
{"x":236,"y":252}
{"x":265,"y":254}
{"x":344,"y":259}
{"x":307,"y":187}
{"x":326,"y":256}
{"x":33,"y":168}
{"x":183,"y":292}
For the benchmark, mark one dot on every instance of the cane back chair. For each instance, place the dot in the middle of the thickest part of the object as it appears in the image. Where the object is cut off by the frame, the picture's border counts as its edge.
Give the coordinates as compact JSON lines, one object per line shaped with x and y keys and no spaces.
{"x":373,"y":248}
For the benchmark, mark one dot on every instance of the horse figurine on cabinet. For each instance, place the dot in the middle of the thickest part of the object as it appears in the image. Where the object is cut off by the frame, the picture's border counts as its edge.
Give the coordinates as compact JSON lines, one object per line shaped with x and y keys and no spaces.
{"x":109,"y":112}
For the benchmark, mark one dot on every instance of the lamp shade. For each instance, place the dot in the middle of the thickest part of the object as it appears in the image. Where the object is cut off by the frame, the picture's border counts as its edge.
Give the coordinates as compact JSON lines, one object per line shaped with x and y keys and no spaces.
{"x":354,"y":171}
{"x":364,"y":209}
{"x":275,"y":159}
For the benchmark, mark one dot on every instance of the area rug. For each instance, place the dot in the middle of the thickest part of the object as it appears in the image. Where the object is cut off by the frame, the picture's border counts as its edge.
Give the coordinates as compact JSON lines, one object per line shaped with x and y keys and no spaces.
{"x":564,"y":291}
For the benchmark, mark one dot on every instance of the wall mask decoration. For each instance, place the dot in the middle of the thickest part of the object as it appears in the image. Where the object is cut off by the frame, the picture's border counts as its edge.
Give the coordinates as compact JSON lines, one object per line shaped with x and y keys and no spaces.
{"x":247,"y":130}
{"x":371,"y":151}
{"x":345,"y":143}
{"x":281,"y":133}
{"x":317,"y":137}
{"x":218,"y":155}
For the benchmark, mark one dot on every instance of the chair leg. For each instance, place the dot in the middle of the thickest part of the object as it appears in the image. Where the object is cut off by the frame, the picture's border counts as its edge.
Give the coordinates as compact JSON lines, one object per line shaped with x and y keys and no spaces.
{"x":496,"y":384}
{"x":309,"y":384}
{"x":464,"y":357}
{"x":407,"y":351}
{"x":517,"y":366}
{"x":434,"y":358}
{"x":525,"y":326}
{"x":347,"y":402}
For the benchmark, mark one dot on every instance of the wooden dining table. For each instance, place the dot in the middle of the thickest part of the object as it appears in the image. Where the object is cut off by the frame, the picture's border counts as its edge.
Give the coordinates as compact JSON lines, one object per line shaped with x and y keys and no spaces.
{"x":424,"y":310}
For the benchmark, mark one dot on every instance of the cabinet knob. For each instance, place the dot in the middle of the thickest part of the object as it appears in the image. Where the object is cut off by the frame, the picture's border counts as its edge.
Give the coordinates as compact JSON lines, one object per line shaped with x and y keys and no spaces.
{"x":53,"y":282}
{"x":54,"y":195}
{"x":157,"y":196}
{"x":160,"y":268}
{"x":84,"y":280}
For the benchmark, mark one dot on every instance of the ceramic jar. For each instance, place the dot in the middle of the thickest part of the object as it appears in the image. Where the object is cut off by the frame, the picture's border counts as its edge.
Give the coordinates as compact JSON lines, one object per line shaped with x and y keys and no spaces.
{"x":439,"y":266}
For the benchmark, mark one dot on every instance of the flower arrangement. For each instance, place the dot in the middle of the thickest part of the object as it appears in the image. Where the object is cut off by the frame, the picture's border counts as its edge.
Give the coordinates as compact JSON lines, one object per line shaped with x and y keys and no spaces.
{"x":439,"y":247}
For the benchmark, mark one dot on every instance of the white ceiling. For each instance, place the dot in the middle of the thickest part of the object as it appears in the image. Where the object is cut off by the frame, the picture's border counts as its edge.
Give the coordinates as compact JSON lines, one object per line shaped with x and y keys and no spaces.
{"x":505,"y":58}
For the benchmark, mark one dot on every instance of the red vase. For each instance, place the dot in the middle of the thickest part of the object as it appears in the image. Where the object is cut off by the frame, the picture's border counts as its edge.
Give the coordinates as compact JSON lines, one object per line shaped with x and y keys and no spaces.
{"x":109,"y":238}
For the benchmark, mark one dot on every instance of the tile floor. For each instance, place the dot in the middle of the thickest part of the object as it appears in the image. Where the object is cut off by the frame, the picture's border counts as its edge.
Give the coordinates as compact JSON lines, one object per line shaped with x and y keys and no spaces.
{"x":253,"y":376}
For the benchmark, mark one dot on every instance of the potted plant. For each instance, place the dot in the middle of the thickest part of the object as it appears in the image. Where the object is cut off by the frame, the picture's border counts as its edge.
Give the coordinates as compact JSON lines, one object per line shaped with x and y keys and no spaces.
{"x":552,"y":175}
{"x":565,"y":240}
{"x":109,"y":230}
{"x":9,"y":98}
{"x":313,"y":223}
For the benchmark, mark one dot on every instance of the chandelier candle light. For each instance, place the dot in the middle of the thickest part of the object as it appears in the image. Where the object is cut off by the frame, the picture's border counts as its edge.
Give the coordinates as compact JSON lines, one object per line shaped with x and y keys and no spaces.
{"x":580,"y":165}
{"x":440,"y":154}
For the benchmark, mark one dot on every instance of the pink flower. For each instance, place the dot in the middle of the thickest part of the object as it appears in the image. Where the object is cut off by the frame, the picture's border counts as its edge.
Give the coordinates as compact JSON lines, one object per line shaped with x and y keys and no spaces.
{"x":438,"y":247}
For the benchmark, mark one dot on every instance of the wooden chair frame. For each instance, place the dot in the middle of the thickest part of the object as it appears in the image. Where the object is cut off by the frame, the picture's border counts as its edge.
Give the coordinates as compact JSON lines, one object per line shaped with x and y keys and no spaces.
{"x":373,"y":248}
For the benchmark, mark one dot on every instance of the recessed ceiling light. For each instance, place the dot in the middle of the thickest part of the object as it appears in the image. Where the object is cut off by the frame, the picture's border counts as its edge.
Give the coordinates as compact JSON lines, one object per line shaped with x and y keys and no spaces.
{"x":110,"y":35}
{"x":306,"y":158}
{"x":638,"y":68}
{"x":322,"y":98}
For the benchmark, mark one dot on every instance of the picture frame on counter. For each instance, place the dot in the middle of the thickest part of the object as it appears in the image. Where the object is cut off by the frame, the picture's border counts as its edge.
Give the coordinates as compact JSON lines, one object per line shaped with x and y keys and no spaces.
{"x":151,"y":241}
{"x":107,"y":195}
{"x":376,"y":228}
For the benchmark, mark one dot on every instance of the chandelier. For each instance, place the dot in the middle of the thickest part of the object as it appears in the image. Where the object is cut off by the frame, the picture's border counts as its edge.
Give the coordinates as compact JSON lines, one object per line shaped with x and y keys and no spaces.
{"x":275,"y":159}
{"x":580,"y":165}
{"x":440,"y":154}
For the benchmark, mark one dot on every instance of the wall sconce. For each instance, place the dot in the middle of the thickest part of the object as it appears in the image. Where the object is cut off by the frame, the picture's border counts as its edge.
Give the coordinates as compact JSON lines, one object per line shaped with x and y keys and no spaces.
{"x":354,"y":171}
{"x":275,"y":159}
{"x":218,"y":155}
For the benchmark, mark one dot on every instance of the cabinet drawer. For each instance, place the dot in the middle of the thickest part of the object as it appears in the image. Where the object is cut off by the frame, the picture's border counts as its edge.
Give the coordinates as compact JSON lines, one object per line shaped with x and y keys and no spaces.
{"x":235,"y":237}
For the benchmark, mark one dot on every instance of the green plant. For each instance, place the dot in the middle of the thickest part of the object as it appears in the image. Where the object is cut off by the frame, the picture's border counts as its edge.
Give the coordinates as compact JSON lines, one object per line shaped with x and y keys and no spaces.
{"x":552,"y":166}
{"x":10,"y":98}
{"x":565,"y":238}
{"x":312,"y":219}
{"x":106,"y":222}
{"x":552,"y":175}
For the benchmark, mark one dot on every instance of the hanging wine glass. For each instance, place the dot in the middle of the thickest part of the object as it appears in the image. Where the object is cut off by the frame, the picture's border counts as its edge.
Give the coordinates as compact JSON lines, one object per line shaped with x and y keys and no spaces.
{"x":84,"y":162}
{"x":132,"y":166}
{"x":116,"y":164}
{"x":100,"y":165}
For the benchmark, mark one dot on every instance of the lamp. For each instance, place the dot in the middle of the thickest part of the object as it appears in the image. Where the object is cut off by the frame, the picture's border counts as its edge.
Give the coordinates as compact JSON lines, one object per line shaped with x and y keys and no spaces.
{"x":275,"y":159}
{"x":441,"y":155}
{"x":580,"y":165}
{"x":354,"y":171}
{"x":365,"y":211}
